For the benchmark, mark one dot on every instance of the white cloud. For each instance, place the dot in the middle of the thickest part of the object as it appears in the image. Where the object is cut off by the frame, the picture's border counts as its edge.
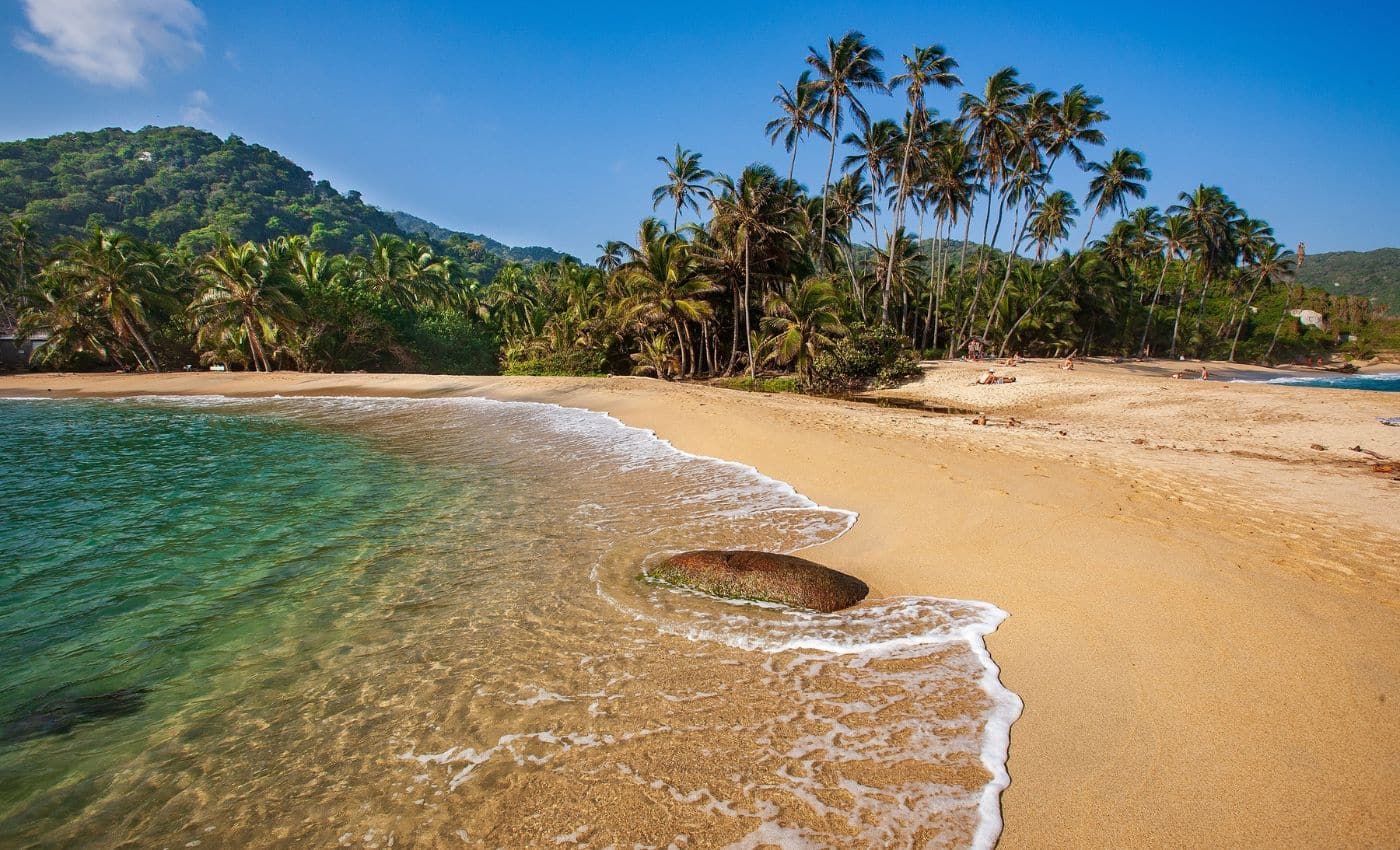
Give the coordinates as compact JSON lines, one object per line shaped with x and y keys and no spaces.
{"x":195,"y":112}
{"x":111,"y":41}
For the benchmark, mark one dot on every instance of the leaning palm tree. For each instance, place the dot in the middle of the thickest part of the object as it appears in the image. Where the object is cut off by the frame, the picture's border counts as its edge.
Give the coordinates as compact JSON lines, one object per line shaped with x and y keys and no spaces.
{"x":800,"y":117}
{"x":686,"y":181}
{"x":247,"y":291}
{"x":122,"y":281}
{"x":1271,"y":264}
{"x":801,"y":321}
{"x":1114,"y":182}
{"x":847,"y":67}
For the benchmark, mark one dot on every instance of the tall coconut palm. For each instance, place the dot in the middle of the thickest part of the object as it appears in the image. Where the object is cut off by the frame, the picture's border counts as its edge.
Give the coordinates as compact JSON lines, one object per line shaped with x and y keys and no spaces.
{"x":1211,"y":216}
{"x":1122,"y":177}
{"x":1051,"y":221}
{"x":852,"y":204}
{"x":1073,"y":123}
{"x":610,"y":256}
{"x":876,"y":145}
{"x":801,"y":116}
{"x":246,"y":290}
{"x":756,"y":208}
{"x":846,"y":68}
{"x":686,"y":181}
{"x":802,"y":320}
{"x":951,"y":188}
{"x":990,"y":120}
{"x":925,"y":67}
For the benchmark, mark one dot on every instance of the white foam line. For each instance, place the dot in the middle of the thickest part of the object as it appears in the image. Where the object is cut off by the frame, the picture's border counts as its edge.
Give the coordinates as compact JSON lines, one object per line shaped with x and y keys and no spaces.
{"x":1006,"y":705}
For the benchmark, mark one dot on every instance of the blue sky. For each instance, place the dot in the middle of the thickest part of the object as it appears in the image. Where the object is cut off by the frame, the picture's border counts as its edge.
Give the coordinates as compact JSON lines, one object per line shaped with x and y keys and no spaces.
{"x":540,"y":123}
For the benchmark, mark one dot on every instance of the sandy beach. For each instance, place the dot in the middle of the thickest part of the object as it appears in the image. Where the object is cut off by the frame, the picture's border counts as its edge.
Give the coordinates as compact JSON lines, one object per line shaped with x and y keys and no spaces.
{"x":1203,"y":577}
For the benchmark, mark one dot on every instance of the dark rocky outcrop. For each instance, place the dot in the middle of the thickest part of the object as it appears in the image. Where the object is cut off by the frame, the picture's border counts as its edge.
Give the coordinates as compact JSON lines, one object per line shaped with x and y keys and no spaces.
{"x":761,"y":576}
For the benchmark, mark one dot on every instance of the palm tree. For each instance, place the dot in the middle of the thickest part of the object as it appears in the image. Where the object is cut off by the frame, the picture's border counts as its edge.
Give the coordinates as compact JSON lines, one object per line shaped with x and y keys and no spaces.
{"x":21,"y":239}
{"x":1072,"y":123}
{"x":249,"y":291}
{"x":802,"y":320}
{"x":610,"y":256}
{"x":1176,"y":231}
{"x":800,"y":117}
{"x":847,"y":67}
{"x":655,"y":356}
{"x":685,"y":181}
{"x":405,"y":272}
{"x":1114,"y":181}
{"x":669,"y":287}
{"x":875,"y":147}
{"x":756,"y":208}
{"x":991,"y":122}
{"x":1051,"y":221}
{"x":122,"y":281}
{"x":1270,"y":264}
{"x":928,"y":66}
{"x":1210,"y":216}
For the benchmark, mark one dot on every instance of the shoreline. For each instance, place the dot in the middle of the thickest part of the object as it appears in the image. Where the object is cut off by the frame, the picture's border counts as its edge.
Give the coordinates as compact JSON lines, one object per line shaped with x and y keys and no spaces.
{"x":1193,"y":671}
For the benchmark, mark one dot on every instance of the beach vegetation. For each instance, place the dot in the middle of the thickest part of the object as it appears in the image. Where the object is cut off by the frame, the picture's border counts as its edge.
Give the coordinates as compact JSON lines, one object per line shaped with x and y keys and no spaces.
{"x":941,"y":227}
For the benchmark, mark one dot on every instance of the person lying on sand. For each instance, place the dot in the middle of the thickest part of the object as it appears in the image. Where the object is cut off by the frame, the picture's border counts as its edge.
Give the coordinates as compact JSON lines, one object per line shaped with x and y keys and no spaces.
{"x":1068,"y":364}
{"x":991,"y":377}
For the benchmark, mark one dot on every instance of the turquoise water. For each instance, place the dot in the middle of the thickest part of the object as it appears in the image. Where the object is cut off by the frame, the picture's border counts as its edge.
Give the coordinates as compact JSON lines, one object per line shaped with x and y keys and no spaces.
{"x":1385,"y":382}
{"x":384,"y":622}
{"x":152,"y":548}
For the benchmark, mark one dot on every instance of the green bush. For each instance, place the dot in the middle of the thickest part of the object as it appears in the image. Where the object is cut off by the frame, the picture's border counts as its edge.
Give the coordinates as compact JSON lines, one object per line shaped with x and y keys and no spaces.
{"x":577,"y":363}
{"x":878,"y":356}
{"x":780,"y":384}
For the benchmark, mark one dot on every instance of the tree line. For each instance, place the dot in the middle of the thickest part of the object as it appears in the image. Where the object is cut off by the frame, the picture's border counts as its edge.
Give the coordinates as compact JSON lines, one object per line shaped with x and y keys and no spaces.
{"x":928,"y":233}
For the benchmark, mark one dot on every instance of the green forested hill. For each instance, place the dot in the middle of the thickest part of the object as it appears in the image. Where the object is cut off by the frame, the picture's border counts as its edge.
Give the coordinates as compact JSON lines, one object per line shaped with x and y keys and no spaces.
{"x":413,"y":225}
{"x":1374,"y":274}
{"x":186,"y":188}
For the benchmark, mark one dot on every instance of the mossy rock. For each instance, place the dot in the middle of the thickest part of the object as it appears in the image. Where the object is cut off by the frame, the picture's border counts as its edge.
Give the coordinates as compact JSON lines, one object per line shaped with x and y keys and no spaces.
{"x":761,"y":576}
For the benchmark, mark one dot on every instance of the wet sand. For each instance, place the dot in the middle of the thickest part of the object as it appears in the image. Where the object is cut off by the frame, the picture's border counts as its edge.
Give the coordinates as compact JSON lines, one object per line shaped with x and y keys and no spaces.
{"x":1205,"y":609}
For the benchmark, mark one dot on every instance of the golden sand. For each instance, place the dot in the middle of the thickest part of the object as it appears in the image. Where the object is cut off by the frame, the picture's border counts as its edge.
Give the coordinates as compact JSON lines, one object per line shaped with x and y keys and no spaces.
{"x":1205,"y":608}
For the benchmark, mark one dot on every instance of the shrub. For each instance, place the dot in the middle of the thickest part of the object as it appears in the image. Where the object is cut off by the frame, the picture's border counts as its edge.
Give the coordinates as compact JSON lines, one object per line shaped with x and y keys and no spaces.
{"x":878,"y":356}
{"x":576,"y":363}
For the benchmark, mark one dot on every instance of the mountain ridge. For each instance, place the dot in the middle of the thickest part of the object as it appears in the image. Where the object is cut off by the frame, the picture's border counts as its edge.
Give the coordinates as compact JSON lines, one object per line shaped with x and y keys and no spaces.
{"x":187,"y":188}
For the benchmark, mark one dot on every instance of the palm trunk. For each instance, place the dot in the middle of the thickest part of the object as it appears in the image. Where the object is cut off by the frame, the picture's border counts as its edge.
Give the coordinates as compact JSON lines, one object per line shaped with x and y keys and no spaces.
{"x":903,"y":184}
{"x":1147,"y":327}
{"x":792,"y":163}
{"x":1287,"y":301}
{"x":956,"y":341}
{"x":1243,"y":315}
{"x":748,"y":329}
{"x":1176,"y":326}
{"x":830,"y":161}
{"x":1010,"y":334}
{"x":1006,"y":278}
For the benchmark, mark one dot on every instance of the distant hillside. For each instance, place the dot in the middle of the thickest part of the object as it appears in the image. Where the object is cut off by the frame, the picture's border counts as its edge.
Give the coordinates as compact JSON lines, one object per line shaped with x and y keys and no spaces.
{"x":184,"y":187}
{"x":1375,"y":274}
{"x":409,"y":223}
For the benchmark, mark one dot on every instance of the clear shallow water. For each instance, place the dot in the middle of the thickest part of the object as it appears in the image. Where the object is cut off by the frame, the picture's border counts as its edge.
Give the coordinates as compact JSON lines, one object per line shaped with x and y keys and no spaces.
{"x":337,"y":622}
{"x":1386,"y":382}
